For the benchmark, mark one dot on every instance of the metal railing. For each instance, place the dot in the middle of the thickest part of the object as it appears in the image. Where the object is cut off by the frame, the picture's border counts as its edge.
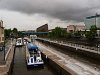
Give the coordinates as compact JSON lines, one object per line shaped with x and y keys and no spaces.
{"x":92,"y":49}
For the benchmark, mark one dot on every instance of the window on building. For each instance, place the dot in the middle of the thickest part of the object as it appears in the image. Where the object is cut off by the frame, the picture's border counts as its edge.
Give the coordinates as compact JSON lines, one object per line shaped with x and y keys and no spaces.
{"x":2,"y":31}
{"x":2,"y":38}
{"x":71,"y":30}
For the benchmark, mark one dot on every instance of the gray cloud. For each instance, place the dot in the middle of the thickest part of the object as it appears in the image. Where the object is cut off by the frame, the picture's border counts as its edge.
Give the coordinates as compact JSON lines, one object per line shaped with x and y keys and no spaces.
{"x":61,"y":9}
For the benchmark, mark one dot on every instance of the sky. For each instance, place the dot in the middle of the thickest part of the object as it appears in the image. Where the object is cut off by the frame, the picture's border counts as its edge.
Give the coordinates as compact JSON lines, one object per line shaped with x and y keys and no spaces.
{"x":30,"y":14}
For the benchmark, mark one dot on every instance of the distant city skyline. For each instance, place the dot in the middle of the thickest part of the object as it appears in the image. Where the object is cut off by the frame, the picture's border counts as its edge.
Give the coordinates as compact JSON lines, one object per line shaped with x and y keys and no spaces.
{"x":28,"y":15}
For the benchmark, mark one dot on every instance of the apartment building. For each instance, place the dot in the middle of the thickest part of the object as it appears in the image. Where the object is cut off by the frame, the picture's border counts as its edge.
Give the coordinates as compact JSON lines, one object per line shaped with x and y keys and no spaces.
{"x":1,"y":32}
{"x":72,"y":28}
{"x":43,"y":28}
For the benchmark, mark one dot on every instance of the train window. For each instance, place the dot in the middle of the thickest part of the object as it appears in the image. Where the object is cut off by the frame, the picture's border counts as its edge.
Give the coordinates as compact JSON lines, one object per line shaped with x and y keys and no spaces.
{"x":31,"y":60}
{"x":35,"y":50}
{"x":19,"y":41}
{"x":35,"y":58}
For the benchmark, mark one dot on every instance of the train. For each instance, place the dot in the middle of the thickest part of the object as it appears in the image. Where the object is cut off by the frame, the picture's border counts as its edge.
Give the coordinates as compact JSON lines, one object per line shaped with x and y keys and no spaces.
{"x":33,"y":56}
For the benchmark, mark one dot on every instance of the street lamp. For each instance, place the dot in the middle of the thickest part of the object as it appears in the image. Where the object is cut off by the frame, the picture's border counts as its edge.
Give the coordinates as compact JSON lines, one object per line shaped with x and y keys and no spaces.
{"x":4,"y":45}
{"x":4,"y":49}
{"x":4,"y":42}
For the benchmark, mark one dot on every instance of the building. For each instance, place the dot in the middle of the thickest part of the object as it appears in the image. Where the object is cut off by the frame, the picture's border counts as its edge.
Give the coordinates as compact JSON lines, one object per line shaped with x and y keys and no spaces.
{"x":1,"y":32}
{"x":92,"y":20}
{"x":73,"y":28}
{"x":61,"y":28}
{"x":43,"y":28}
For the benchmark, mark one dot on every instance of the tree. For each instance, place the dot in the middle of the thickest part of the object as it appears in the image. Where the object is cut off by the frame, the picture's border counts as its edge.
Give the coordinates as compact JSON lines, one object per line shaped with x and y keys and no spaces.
{"x":77,"y":34}
{"x":90,"y":35}
{"x":20,"y":34}
{"x":15,"y":30}
{"x":93,"y":29}
{"x":68,"y":35}
{"x":57,"y":33}
{"x":7,"y":33}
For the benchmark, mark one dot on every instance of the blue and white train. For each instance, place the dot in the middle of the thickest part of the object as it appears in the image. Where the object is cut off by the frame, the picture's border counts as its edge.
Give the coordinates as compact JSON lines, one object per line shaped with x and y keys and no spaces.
{"x":33,"y":56}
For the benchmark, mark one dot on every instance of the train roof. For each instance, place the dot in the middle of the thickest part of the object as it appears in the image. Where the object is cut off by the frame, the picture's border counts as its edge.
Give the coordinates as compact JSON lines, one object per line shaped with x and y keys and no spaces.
{"x":31,"y":46}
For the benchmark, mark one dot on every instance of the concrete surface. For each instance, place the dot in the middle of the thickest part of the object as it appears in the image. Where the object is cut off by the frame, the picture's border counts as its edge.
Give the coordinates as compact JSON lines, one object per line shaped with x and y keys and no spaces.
{"x":70,"y":65}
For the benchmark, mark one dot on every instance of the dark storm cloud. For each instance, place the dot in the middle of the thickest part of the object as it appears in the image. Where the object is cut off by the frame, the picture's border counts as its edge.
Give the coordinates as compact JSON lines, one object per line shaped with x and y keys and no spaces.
{"x":61,"y":9}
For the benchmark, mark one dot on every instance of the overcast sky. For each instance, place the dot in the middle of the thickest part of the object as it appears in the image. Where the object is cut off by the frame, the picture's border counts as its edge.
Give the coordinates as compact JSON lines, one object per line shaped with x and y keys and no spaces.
{"x":30,"y":14}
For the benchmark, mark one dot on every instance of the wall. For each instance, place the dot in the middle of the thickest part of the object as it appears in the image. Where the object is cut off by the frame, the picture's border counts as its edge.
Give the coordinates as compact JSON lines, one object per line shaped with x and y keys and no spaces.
{"x":80,"y":52}
{"x":55,"y":66}
{"x":1,"y":32}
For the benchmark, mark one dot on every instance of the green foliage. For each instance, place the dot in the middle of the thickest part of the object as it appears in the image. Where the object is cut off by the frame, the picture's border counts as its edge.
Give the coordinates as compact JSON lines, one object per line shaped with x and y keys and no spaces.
{"x":7,"y":33}
{"x":77,"y":34}
{"x":20,"y":34}
{"x":15,"y":30}
{"x":90,"y":35}
{"x":57,"y":33}
{"x":69,"y":35}
{"x":93,"y":29}
{"x":10,"y":33}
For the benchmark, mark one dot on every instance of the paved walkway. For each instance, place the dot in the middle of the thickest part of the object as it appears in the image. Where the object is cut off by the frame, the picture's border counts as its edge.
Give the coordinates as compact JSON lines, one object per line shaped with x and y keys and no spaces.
{"x":8,"y":44}
{"x":5,"y":68}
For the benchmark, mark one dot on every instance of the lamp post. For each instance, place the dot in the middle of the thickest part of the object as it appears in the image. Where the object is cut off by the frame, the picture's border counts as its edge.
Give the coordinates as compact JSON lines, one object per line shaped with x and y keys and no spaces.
{"x":4,"y":49}
{"x":3,"y":37}
{"x":4,"y":44}
{"x":4,"y":40}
